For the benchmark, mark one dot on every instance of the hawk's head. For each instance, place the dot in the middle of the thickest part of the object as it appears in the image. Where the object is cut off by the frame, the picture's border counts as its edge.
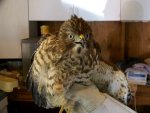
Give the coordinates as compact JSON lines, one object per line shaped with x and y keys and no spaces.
{"x":77,"y":32}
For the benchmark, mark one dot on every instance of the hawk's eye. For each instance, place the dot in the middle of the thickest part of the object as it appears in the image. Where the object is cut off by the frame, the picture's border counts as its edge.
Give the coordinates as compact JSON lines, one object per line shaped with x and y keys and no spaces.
{"x":88,"y":35}
{"x":70,"y":36}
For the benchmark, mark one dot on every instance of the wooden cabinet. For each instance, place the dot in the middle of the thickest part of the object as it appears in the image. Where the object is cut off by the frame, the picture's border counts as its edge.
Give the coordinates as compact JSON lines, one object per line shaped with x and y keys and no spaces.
{"x":13,"y":27}
{"x":137,"y":39}
{"x":142,"y":96}
{"x":101,"y":10}
{"x":136,"y":10}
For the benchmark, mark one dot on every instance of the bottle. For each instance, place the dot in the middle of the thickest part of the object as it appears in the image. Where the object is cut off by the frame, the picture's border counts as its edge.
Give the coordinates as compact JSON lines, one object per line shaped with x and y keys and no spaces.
{"x":44,"y":30}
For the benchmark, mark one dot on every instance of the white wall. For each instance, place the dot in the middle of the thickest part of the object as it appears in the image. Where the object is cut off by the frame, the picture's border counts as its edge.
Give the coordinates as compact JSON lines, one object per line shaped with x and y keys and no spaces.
{"x":13,"y":27}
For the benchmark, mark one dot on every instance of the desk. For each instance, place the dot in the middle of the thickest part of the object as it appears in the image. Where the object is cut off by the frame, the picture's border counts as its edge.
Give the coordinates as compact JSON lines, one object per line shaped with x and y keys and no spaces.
{"x":20,"y":101}
{"x":142,"y":95}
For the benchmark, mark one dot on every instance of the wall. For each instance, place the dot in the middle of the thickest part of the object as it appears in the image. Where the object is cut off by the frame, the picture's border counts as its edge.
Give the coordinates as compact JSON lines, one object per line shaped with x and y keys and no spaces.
{"x":13,"y":27}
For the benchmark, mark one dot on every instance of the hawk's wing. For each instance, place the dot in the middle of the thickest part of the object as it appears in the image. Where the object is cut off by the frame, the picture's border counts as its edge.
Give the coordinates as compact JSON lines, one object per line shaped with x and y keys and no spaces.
{"x":32,"y":85}
{"x":107,"y":77}
{"x":111,"y":81}
{"x":40,"y":78}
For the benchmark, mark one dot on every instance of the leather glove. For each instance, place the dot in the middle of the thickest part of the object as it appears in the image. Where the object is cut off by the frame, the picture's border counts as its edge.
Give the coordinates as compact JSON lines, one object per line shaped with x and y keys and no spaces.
{"x":88,"y":99}
{"x":85,"y":99}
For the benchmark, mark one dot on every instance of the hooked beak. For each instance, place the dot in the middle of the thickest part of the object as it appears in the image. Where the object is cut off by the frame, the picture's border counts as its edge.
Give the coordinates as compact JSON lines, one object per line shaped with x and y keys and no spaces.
{"x":81,"y":40}
{"x":81,"y":36}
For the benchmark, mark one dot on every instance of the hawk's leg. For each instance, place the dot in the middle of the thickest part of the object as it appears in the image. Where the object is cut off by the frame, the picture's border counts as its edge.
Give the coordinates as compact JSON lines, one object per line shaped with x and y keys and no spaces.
{"x":61,"y":109}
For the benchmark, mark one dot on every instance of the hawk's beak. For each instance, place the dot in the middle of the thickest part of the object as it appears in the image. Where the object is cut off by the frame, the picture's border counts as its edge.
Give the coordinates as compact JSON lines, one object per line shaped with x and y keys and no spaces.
{"x":80,"y":40}
{"x":81,"y":36}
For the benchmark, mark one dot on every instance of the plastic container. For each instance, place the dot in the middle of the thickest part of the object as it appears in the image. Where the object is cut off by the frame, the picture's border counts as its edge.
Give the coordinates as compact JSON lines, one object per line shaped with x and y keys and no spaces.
{"x":7,"y":84}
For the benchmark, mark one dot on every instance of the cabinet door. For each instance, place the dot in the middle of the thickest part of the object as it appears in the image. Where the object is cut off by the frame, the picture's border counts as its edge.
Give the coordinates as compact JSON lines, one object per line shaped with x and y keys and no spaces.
{"x":98,"y":10}
{"x":49,"y":10}
{"x":136,"y":10}
{"x":13,"y":27}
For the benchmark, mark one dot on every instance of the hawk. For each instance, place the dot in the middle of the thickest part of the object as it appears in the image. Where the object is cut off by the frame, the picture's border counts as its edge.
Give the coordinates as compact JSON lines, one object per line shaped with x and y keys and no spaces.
{"x":68,"y":57}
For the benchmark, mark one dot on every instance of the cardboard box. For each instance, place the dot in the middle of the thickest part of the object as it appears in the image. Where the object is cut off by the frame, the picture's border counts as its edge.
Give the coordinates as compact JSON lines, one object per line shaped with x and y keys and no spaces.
{"x":137,"y":77}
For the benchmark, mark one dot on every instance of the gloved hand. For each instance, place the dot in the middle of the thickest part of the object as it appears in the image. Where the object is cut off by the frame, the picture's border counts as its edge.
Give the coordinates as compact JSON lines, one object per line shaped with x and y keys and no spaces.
{"x":85,"y":99}
{"x":88,"y":99}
